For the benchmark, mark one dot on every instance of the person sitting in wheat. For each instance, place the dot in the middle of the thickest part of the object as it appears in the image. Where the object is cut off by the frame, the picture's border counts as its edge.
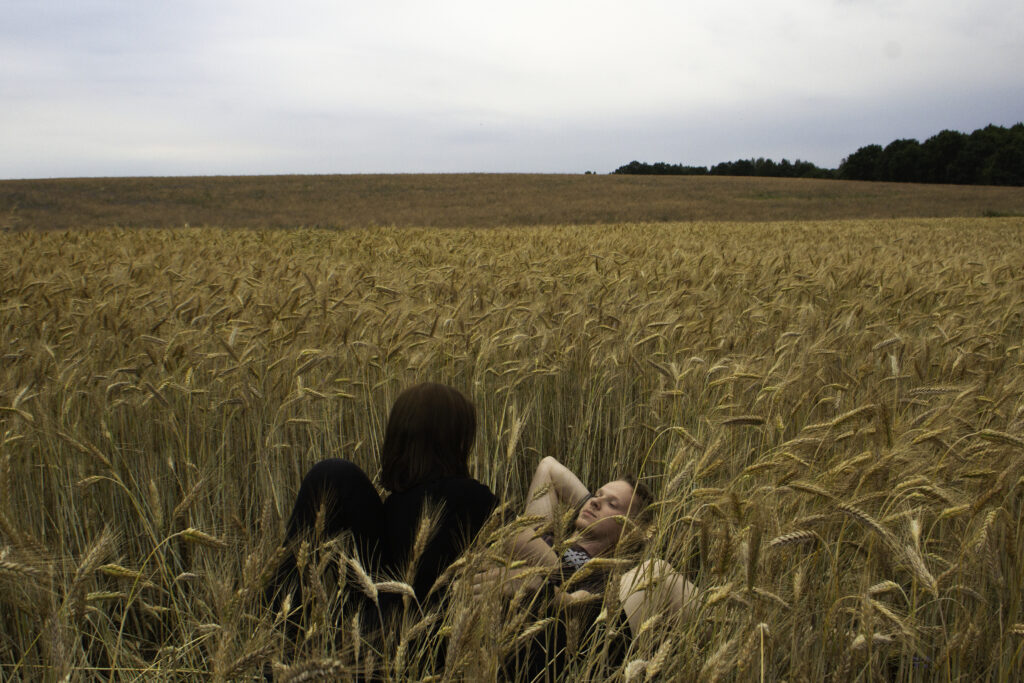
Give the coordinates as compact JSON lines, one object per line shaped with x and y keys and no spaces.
{"x":424,"y":467}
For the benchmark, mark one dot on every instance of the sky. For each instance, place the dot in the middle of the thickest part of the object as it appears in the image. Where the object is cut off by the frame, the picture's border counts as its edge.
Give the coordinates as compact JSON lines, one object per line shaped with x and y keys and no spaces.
{"x":233,"y":87}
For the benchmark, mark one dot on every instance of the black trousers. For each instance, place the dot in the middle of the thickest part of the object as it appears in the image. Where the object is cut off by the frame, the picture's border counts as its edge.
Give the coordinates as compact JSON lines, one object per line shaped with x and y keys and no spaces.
{"x":349,"y":502}
{"x":384,"y":531}
{"x":336,"y":496}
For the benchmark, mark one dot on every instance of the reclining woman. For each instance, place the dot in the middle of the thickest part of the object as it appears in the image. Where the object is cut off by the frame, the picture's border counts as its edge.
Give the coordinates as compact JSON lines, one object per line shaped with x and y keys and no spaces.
{"x":427,"y":440}
{"x":617,"y":512}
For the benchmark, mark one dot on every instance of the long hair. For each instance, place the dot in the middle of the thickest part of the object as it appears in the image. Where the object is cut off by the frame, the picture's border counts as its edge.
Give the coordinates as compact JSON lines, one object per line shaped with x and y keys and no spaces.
{"x":430,"y":431}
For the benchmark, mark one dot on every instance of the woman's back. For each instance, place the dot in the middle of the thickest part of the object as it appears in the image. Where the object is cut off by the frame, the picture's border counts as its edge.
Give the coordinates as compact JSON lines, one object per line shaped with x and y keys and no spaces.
{"x":424,"y":465}
{"x":461,"y":505}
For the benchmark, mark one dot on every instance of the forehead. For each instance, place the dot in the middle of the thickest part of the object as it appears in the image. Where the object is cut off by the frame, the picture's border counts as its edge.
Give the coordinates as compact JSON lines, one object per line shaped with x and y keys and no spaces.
{"x":618,"y":488}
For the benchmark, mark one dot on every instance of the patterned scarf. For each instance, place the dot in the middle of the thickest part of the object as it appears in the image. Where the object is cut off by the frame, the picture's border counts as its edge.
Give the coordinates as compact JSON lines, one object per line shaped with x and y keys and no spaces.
{"x":574,"y":559}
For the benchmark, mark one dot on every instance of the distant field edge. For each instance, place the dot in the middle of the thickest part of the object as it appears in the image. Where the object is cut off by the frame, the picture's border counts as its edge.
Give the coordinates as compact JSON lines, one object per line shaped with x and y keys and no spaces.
{"x":476,"y":200}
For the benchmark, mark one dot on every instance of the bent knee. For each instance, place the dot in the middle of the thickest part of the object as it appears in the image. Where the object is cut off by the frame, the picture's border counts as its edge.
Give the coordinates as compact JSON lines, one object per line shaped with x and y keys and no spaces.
{"x":647,"y":571}
{"x":333,"y":468}
{"x":642,"y":576}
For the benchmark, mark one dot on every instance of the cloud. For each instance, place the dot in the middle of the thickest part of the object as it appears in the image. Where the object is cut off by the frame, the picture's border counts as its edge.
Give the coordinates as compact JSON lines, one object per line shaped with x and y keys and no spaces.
{"x":115,"y":87}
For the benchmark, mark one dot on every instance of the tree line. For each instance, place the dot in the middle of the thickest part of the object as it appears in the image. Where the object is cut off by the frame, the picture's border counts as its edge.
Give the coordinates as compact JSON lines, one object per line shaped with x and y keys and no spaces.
{"x":746,"y":167}
{"x":993,"y":155}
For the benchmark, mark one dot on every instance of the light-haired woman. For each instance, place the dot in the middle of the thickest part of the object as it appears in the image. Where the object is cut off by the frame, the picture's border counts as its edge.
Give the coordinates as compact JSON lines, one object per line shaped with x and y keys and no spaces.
{"x":609,"y":522}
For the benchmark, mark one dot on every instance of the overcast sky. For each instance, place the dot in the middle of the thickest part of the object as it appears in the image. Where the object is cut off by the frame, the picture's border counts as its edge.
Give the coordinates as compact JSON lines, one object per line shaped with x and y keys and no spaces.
{"x":182,"y":87}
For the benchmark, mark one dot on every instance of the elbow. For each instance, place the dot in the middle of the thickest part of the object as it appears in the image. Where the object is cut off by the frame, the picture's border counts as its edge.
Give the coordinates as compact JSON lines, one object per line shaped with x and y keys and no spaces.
{"x":548,"y":462}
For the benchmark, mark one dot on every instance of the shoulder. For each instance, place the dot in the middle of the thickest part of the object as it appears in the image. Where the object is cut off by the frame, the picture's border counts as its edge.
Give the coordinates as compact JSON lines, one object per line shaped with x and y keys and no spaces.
{"x":469,"y":488}
{"x":453,"y":492}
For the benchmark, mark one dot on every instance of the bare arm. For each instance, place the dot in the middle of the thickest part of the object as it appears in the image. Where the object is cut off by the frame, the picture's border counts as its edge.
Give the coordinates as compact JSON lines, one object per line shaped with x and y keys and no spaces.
{"x":553,"y":485}
{"x":563,"y":488}
{"x":510,"y":581}
{"x":507,"y":581}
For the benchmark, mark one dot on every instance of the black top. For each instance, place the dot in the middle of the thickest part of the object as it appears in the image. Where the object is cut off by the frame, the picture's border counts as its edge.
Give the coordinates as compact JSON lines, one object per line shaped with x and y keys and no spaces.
{"x":465,"y":505}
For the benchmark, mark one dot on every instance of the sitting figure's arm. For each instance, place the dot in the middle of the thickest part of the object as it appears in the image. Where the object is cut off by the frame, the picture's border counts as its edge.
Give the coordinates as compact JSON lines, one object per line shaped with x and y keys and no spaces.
{"x":553,"y":485}
{"x":507,"y":581}
{"x":577,"y":598}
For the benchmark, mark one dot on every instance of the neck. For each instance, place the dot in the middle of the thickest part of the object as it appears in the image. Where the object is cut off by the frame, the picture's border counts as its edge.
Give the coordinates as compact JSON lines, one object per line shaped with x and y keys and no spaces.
{"x":594,"y":548}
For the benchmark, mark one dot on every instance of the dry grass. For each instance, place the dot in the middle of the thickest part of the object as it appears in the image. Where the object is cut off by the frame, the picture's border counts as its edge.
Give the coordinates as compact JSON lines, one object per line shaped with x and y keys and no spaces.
{"x":480,"y":200}
{"x":832,"y":414}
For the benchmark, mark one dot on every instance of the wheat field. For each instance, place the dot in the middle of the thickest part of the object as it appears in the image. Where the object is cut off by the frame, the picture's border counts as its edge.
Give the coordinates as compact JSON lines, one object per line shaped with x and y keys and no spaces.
{"x":831,"y":415}
{"x":477,"y":200}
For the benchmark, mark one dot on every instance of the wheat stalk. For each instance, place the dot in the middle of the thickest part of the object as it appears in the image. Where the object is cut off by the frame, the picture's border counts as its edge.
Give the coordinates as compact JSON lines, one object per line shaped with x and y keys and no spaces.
{"x":193,"y":535}
{"x":792,"y":538}
{"x":314,"y":670}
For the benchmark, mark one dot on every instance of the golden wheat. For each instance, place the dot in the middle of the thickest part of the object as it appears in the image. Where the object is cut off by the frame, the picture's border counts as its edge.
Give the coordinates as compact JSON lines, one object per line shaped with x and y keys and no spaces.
{"x":831,"y":414}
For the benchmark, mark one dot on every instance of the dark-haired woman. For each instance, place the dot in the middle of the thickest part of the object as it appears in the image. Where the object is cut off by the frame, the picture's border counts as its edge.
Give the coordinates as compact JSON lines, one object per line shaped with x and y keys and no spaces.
{"x":429,"y":433}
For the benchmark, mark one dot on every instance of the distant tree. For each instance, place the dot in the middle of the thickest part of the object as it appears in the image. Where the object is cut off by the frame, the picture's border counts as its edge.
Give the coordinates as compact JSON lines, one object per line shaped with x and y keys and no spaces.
{"x":740,"y":167}
{"x":864,"y":164}
{"x":939,"y":154}
{"x":632,"y":168}
{"x":901,"y":161}
{"x":972,"y":157}
{"x":1006,"y":166}
{"x":805,"y":169}
{"x":991,"y":155}
{"x":765,"y":167}
{"x":659,"y":168}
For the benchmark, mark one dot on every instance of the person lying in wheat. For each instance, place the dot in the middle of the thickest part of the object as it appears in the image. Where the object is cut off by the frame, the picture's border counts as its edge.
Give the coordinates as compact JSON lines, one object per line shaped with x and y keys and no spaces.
{"x":607,"y":524}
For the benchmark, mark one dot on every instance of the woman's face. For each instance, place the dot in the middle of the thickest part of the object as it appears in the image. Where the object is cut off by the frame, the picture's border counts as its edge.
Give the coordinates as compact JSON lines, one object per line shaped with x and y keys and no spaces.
{"x":596,"y":519}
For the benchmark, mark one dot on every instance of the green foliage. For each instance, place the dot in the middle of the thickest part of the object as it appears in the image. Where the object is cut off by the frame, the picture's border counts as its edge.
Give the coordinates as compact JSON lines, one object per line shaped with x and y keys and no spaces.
{"x":659,"y":168}
{"x":989,"y":156}
{"x":767,"y":168}
{"x":761,"y":167}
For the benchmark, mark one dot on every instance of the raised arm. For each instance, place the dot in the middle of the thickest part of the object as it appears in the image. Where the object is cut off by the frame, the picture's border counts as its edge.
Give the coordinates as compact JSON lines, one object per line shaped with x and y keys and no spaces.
{"x":553,"y":485}
{"x":562,"y":488}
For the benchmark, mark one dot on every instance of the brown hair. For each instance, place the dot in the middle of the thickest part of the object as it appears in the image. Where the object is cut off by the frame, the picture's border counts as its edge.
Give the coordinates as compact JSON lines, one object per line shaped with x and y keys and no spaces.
{"x":642,"y":506}
{"x":429,"y":434}
{"x":635,"y":536}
